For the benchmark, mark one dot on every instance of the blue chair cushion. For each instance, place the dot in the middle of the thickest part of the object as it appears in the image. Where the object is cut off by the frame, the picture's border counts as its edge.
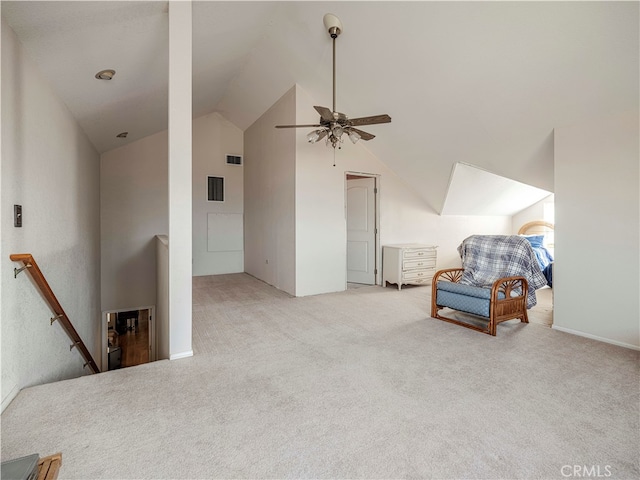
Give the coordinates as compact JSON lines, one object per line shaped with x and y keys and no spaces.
{"x":465,"y":298}
{"x":464,"y":303}
{"x":469,"y":290}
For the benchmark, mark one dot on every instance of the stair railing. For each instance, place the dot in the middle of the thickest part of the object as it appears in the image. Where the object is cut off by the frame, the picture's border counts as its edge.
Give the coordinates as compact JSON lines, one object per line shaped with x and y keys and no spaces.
{"x":30,"y":265}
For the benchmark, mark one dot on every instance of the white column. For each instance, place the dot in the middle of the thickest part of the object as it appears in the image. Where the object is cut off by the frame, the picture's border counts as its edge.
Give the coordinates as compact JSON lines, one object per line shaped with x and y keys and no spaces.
{"x":180,"y":182}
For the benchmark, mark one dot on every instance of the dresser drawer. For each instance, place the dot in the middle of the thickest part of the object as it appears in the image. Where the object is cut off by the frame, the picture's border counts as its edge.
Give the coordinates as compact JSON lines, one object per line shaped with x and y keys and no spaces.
{"x":414,"y":275}
{"x":420,"y":263}
{"x":411,"y":253}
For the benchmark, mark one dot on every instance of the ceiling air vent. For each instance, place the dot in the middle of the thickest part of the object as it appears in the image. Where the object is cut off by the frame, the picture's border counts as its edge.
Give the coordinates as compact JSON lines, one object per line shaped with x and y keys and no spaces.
{"x":234,"y":159}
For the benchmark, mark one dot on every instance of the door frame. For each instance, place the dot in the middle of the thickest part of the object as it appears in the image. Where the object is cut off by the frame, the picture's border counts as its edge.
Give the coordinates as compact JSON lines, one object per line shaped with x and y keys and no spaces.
{"x":376,"y":204}
{"x":153,"y":341}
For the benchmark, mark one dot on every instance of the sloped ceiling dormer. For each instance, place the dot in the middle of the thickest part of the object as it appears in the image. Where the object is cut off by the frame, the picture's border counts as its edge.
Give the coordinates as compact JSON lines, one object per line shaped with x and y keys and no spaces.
{"x":475,"y":191}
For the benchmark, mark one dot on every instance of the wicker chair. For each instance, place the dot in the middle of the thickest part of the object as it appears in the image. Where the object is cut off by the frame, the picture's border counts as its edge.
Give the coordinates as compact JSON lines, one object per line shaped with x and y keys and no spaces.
{"x":505,"y":300}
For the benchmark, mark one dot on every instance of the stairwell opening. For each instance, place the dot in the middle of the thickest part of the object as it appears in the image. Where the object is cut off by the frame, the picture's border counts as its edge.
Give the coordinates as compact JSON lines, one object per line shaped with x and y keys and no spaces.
{"x":129,"y":338}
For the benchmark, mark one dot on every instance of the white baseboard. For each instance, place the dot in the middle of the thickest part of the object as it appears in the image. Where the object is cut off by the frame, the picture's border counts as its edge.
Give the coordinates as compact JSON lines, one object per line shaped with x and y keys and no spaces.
{"x":595,"y":337}
{"x":177,"y":356}
{"x":9,"y":398}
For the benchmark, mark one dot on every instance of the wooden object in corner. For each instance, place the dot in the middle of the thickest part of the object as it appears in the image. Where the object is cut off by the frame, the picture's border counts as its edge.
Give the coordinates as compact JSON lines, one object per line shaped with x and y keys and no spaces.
{"x":48,"y":467}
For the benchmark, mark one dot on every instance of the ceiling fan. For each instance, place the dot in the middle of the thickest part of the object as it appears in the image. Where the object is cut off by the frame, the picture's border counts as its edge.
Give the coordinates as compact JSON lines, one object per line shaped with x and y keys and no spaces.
{"x":333,"y":125}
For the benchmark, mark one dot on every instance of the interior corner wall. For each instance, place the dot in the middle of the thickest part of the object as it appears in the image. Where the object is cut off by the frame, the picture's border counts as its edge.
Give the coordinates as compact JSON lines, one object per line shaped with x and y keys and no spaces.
{"x":269,"y":196}
{"x":295,"y":226}
{"x":405,"y":217}
{"x":452,"y":229}
{"x":213,"y":138}
{"x":52,"y":170}
{"x":597,"y":274}
{"x":134,"y":210}
{"x":532,"y":213}
{"x":320,"y":224}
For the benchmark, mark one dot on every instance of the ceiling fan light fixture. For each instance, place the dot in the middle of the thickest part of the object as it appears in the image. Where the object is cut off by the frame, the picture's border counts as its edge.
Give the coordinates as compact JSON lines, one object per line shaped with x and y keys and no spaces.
{"x":313,"y":137}
{"x":354,"y":137}
{"x":332,"y":24}
{"x":337,"y":131}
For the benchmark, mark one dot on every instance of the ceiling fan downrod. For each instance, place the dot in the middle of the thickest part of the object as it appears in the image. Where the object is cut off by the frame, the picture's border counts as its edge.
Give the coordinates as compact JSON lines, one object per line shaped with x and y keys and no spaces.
{"x":334,"y":27}
{"x":334,"y":126}
{"x":334,"y":72}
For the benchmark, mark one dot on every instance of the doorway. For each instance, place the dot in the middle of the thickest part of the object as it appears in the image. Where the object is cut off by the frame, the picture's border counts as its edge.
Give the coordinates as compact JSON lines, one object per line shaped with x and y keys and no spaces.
{"x":362,"y":228}
{"x":128,"y":338}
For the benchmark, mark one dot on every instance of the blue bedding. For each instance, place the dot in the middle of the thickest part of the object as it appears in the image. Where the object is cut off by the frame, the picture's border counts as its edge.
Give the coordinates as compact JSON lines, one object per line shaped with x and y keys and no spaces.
{"x":544,"y":257}
{"x":548,"y":274}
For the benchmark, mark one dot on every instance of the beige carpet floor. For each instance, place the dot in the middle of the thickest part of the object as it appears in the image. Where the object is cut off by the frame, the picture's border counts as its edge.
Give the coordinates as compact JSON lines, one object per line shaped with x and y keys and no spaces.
{"x":542,"y":313}
{"x":357,"y":384}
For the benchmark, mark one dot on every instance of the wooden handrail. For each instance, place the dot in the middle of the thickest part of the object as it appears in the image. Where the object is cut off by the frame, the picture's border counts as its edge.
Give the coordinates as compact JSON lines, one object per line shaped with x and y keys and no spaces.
{"x":32,"y":267}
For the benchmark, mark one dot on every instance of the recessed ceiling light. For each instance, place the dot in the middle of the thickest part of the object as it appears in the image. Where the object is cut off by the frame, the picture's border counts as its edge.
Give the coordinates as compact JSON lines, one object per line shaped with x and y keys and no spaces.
{"x":105,"y":74}
{"x":122,"y":135}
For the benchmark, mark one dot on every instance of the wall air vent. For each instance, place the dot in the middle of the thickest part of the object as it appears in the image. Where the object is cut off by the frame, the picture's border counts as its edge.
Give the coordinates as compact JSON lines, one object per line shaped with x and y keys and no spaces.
{"x":234,"y":159}
{"x":215,"y":189}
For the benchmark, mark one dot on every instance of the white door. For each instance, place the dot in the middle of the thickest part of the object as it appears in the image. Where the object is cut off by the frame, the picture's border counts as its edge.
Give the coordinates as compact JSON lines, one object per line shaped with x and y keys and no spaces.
{"x":361,"y":230}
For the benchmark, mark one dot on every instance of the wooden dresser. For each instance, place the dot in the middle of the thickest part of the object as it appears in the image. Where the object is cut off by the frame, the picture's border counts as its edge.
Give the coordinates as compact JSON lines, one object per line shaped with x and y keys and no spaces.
{"x":408,"y":264}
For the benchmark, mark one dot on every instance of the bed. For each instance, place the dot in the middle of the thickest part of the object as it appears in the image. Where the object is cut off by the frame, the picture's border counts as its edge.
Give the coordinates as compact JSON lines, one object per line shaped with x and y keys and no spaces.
{"x":540,"y":234}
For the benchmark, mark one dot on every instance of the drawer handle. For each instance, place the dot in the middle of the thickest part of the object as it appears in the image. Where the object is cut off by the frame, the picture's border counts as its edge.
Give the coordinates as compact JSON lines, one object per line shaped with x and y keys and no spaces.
{"x":420,"y":253}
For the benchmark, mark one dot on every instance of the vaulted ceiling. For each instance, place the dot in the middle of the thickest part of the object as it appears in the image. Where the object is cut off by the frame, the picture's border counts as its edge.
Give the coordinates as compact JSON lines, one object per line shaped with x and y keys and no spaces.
{"x":483,"y":83}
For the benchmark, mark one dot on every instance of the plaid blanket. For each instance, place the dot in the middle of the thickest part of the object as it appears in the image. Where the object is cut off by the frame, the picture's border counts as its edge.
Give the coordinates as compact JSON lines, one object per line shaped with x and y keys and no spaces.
{"x":486,"y":258}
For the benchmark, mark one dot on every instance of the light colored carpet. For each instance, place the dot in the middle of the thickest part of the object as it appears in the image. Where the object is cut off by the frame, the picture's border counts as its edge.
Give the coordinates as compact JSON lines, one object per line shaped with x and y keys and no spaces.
{"x":542,"y":313}
{"x":358,"y":384}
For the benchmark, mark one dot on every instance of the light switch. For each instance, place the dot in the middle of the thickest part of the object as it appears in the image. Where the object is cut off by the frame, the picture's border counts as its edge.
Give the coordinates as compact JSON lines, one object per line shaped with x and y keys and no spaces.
{"x":17,"y":215}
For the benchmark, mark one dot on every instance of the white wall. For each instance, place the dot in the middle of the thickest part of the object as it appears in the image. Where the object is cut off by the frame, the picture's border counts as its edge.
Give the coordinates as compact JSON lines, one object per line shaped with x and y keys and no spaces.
{"x":214,"y":138}
{"x":288,"y":180}
{"x":162,"y":297}
{"x":532,"y":213}
{"x":180,"y":179}
{"x":134,"y":208}
{"x":320,"y":210}
{"x":269,"y":196}
{"x":452,"y":229}
{"x":596,"y":273}
{"x":50,"y":168}
{"x":320,"y":222}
